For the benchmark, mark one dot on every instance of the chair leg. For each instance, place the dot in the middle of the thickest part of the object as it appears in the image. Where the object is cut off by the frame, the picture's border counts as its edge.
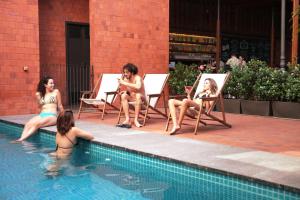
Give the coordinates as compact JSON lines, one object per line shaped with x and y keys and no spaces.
{"x":146,"y":114}
{"x":120,"y":112}
{"x":219,"y":120}
{"x":103,"y":111}
{"x":80,"y":107}
{"x":165,"y":104}
{"x":198,"y":120}
{"x":222,"y":109}
{"x":168,"y":122}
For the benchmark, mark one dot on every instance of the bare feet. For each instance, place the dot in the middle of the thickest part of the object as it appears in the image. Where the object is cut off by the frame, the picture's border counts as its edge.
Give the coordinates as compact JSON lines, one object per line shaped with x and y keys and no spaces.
{"x":137,"y":124}
{"x":16,"y":141}
{"x":126,"y":122}
{"x":174,"y":130}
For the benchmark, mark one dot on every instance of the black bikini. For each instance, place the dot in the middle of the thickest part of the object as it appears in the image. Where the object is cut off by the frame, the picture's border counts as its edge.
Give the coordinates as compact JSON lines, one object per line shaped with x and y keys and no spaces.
{"x":66,"y":147}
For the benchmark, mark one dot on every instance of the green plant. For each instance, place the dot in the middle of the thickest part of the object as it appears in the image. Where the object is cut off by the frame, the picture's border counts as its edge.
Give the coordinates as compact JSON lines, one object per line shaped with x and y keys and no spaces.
{"x":292,"y":86}
{"x":181,"y":76}
{"x":255,"y":64}
{"x":268,"y":85}
{"x":240,"y":83}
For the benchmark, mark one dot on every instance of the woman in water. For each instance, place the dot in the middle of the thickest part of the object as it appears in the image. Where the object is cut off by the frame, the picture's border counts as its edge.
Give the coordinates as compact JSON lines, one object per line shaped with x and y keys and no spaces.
{"x":49,"y":101}
{"x":67,"y":134}
{"x":66,"y":139}
{"x":209,"y":90}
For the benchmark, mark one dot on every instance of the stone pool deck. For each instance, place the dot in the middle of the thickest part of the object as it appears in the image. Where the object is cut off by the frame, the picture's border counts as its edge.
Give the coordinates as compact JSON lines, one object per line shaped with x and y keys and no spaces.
{"x":270,"y":166}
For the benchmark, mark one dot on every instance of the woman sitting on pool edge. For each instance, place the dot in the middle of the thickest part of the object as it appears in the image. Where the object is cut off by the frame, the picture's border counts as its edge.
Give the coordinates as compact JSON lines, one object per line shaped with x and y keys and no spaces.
{"x":67,"y":134}
{"x":210,"y":89}
{"x":49,"y":100}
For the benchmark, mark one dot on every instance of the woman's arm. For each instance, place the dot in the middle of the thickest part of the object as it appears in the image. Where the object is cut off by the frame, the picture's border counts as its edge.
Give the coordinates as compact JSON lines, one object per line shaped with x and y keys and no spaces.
{"x":82,"y":134}
{"x":38,"y":99}
{"x":59,"y":103}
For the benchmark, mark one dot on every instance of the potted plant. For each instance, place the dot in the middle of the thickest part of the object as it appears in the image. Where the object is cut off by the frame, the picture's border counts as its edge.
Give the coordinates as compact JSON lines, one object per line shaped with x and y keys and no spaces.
{"x":289,"y":105}
{"x":238,"y":87}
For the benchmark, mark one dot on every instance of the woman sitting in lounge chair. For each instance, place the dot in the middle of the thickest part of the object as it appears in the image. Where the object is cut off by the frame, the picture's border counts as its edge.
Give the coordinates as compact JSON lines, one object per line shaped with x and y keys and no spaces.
{"x":49,"y":100}
{"x":210,"y":89}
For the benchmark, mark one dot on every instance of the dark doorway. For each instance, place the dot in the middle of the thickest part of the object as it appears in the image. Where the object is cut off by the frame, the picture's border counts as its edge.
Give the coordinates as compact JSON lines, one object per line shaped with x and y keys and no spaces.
{"x":78,"y":60}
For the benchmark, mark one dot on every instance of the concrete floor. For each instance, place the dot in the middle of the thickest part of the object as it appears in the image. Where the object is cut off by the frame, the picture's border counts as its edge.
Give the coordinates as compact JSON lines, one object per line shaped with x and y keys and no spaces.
{"x":257,"y":147}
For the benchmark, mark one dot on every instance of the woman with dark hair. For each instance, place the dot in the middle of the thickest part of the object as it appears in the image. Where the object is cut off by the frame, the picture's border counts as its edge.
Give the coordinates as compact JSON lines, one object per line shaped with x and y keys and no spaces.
{"x":67,"y":133}
{"x":209,"y":90}
{"x":49,"y":101}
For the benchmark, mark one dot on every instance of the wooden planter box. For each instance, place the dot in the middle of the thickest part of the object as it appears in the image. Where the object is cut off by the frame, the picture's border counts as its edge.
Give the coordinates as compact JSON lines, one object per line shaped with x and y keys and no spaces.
{"x":231,"y":106}
{"x":255,"y":107}
{"x":286,"y":109}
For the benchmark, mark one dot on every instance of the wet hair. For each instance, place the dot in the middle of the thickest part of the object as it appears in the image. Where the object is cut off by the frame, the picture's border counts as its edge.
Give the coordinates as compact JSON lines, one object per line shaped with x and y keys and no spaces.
{"x":213,"y":85}
{"x":131,"y":68}
{"x":41,"y":86}
{"x":65,"y":121}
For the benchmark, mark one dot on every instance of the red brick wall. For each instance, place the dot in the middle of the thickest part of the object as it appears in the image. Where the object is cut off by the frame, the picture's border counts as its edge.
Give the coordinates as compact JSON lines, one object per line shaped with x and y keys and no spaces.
{"x":52,"y":18}
{"x":19,"y":47}
{"x":129,"y":31}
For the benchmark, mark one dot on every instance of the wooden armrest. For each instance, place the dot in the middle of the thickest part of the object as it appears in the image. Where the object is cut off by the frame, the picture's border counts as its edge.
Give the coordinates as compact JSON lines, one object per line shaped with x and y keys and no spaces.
{"x":86,"y":92}
{"x":209,"y":98}
{"x":153,"y":95}
{"x":110,"y":93}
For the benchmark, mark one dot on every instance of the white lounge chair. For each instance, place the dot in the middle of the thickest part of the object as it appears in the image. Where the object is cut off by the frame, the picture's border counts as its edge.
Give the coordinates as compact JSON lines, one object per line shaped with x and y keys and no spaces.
{"x":220,"y":79}
{"x":103,"y":94}
{"x":154,"y":88}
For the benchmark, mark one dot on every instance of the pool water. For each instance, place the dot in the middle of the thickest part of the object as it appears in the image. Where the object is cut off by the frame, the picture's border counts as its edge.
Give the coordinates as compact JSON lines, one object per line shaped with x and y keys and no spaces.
{"x":98,"y":172}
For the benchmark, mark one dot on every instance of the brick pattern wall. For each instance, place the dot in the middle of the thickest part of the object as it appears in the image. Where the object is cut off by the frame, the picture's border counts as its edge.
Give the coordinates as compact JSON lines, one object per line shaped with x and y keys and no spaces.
{"x":129,"y":31}
{"x":52,"y":18}
{"x":19,"y":47}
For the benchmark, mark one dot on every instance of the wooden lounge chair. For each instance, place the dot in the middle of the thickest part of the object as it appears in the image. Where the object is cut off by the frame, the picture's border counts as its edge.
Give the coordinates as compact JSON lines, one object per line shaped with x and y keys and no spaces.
{"x":103,"y":94}
{"x":220,"y":79}
{"x":154,"y":88}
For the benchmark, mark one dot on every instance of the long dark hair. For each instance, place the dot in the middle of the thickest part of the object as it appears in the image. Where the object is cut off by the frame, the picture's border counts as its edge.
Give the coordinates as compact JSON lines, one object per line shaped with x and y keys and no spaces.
{"x":65,"y":121}
{"x":41,"y":86}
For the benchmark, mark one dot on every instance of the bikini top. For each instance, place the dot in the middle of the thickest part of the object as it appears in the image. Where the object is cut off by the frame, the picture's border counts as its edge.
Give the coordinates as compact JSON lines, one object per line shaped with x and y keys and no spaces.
{"x":50,"y":100}
{"x":66,"y":147}
{"x":202,"y":96}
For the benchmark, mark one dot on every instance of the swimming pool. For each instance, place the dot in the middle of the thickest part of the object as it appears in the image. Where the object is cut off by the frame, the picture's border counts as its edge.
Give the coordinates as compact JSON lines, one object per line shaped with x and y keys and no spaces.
{"x":99,"y":172}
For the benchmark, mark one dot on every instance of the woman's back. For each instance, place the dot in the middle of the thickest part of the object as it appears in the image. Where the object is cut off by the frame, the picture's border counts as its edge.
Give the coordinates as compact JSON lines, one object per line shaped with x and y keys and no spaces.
{"x":67,"y":133}
{"x":66,"y":142}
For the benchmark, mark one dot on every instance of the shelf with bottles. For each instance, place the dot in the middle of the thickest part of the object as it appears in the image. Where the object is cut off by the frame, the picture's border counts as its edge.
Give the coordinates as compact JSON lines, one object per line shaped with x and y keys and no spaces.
{"x":175,"y":56}
{"x":192,"y":48}
{"x":191,"y":39}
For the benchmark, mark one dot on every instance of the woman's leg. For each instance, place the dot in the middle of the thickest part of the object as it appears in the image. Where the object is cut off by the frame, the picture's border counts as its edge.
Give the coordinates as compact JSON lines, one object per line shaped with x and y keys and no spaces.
{"x":187,"y":103}
{"x":34,"y":124}
{"x":173,"y":103}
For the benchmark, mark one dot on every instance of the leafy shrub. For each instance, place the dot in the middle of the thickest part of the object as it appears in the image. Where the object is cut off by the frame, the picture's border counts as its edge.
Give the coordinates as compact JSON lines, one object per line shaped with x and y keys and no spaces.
{"x":292,"y":86}
{"x":181,"y":76}
{"x":270,"y":84}
{"x":255,"y":64}
{"x":240,"y":83}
